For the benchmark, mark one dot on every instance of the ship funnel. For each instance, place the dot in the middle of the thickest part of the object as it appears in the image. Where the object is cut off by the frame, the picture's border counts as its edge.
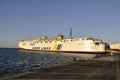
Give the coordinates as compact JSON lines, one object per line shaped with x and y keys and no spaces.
{"x":59,"y":37}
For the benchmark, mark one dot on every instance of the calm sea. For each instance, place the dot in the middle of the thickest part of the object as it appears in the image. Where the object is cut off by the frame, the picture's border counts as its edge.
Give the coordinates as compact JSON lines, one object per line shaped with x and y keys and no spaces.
{"x":14,"y":61}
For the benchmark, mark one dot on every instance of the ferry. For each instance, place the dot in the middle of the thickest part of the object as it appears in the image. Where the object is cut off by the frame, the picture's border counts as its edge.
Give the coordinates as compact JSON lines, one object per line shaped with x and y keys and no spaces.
{"x":67,"y":45}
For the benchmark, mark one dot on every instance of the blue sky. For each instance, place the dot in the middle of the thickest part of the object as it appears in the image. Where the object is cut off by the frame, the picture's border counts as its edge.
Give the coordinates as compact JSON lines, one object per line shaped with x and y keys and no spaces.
{"x":92,"y":18}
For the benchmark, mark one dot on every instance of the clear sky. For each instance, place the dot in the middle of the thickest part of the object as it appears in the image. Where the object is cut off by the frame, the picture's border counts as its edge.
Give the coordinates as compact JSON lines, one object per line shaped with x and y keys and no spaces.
{"x":91,"y":18}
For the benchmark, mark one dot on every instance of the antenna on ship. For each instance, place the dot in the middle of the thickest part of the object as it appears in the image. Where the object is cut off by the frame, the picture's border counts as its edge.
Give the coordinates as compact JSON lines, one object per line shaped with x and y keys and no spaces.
{"x":30,"y":37}
{"x":70,"y":33}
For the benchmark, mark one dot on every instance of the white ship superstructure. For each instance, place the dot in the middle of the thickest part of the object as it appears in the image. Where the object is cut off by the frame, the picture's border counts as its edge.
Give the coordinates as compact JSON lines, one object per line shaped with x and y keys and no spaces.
{"x":115,"y":46}
{"x":59,"y":44}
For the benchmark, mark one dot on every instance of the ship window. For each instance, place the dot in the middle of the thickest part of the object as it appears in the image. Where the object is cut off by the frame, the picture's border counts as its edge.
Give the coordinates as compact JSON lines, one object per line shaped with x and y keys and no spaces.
{"x":23,"y":43}
{"x":31,"y":44}
{"x":96,"y":43}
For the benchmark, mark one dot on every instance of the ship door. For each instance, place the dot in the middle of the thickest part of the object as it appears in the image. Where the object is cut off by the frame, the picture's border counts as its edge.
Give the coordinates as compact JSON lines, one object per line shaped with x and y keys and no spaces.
{"x":59,"y":47}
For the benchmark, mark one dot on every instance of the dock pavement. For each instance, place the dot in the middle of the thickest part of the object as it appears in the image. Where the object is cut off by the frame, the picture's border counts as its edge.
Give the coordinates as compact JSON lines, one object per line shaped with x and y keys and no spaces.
{"x":102,"y":68}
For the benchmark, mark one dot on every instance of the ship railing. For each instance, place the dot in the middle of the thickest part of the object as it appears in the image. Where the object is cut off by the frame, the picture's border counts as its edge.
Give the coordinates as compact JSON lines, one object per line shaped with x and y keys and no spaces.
{"x":97,"y":41}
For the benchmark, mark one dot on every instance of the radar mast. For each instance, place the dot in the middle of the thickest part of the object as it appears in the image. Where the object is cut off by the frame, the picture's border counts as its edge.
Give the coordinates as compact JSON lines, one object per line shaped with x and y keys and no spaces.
{"x":70,"y":33}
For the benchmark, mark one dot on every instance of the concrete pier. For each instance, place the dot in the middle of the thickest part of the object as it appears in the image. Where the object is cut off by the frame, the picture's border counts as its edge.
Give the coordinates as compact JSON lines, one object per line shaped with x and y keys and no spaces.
{"x":105,"y":68}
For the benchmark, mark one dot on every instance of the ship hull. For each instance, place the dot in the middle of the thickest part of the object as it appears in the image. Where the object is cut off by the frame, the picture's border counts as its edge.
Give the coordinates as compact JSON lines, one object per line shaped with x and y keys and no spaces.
{"x":78,"y":52}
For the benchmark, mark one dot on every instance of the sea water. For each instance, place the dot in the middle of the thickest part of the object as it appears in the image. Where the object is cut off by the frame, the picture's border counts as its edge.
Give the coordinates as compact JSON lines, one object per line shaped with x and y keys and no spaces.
{"x":14,"y":61}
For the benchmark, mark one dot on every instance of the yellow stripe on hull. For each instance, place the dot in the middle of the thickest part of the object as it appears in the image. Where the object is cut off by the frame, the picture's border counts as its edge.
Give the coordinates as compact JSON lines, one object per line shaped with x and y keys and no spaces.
{"x":55,"y":47}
